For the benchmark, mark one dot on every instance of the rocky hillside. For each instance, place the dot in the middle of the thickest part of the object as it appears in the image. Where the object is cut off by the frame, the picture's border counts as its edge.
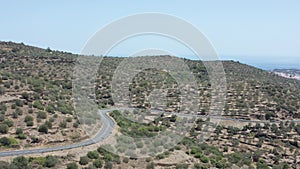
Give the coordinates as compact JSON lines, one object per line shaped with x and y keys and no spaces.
{"x":36,"y":109}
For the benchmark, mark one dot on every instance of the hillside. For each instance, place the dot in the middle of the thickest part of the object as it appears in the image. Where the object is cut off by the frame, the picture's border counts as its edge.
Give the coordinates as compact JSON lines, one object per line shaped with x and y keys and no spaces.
{"x":37,"y":108}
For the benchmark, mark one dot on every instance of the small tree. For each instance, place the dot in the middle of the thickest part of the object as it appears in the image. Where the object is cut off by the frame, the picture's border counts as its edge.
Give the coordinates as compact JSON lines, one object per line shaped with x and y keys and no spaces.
{"x":63,"y":124}
{"x":19,"y":131}
{"x":28,"y":118}
{"x":108,"y":165}
{"x":19,"y":103}
{"x":93,"y":154}
{"x":38,"y":104}
{"x":4,"y":141}
{"x":72,"y":166}
{"x":50,"y":161}
{"x":43,"y":129}
{"x":20,"y":162}
{"x":29,"y":123}
{"x":84,"y":160}
{"x":50,"y":109}
{"x":25,"y":95}
{"x":98,"y":163}
{"x":41,"y":115}
{"x":3,"y":128}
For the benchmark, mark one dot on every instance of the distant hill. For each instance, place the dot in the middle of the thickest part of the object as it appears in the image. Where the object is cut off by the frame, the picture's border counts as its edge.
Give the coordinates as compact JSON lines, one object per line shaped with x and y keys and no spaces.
{"x":252,"y":93}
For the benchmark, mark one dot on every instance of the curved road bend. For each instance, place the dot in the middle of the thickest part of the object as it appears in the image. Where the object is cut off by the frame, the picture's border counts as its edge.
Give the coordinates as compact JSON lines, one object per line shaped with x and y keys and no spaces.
{"x":106,"y":129}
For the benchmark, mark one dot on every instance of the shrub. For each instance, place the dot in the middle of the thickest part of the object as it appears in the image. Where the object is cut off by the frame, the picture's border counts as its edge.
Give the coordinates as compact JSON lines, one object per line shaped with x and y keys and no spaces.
{"x":28,"y":118}
{"x":43,"y":129}
{"x":21,"y":136}
{"x":20,"y":162}
{"x":9,"y":123}
{"x":38,"y":104}
{"x":29,"y":123}
{"x":25,"y":95}
{"x":76,"y":125}
{"x":93,"y":154}
{"x":150,"y":165}
{"x":50,"y":109}
{"x":63,"y":124}
{"x":3,"y":128}
{"x":69,"y":119}
{"x":2,"y":90}
{"x":2,"y":117}
{"x":50,"y":161}
{"x":84,"y":160}
{"x":41,"y":115}
{"x":297,"y":128}
{"x":108,"y":165}
{"x":98,"y":163}
{"x":3,"y":107}
{"x":204,"y":159}
{"x":19,"y":103}
{"x":4,"y":141}
{"x":72,"y":166}
{"x":125,"y":159}
{"x":13,"y":106}
{"x":19,"y":131}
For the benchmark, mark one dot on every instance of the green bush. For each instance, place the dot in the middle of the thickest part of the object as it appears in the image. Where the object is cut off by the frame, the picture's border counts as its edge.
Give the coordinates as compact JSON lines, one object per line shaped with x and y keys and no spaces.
{"x":72,"y":166}
{"x":63,"y":124}
{"x":3,"y":107}
{"x":9,"y":123}
{"x":108,"y":165}
{"x":21,"y":136}
{"x":3,"y":128}
{"x":29,"y":123}
{"x":50,"y":109}
{"x":43,"y":129}
{"x":76,"y":125}
{"x":38,"y":104}
{"x":4,"y":141}
{"x":93,"y":154}
{"x":204,"y":159}
{"x":25,"y":95}
{"x":50,"y":161}
{"x":297,"y":128}
{"x":98,"y":163}
{"x":48,"y":124}
{"x":41,"y":115}
{"x":19,"y":103}
{"x":69,"y":119}
{"x":20,"y":162}
{"x":19,"y":131}
{"x":84,"y":160}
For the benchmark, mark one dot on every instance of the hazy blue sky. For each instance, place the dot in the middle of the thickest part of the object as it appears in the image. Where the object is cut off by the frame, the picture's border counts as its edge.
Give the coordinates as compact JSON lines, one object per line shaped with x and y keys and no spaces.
{"x":263,"y":33}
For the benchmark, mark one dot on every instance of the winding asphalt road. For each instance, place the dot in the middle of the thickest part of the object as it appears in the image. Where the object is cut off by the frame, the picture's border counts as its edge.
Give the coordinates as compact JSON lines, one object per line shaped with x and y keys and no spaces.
{"x":106,"y":129}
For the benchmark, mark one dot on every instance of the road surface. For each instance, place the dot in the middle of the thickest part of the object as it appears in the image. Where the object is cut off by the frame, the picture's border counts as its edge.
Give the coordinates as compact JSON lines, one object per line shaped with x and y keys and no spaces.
{"x":105,"y":131}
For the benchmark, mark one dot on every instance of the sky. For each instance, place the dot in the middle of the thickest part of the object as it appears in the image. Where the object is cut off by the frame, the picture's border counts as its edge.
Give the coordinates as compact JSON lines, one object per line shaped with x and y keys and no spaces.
{"x":264,"y":33}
